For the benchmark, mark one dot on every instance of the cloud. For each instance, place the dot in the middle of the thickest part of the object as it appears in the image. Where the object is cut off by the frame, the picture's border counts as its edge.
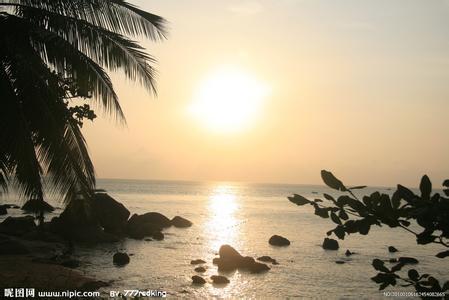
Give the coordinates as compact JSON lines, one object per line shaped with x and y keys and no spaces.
{"x":246,"y":8}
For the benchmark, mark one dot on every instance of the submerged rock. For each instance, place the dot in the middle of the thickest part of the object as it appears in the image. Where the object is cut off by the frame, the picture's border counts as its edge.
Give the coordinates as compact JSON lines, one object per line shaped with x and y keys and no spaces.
{"x":197,"y":262}
{"x":230,"y":260}
{"x":198,"y":279}
{"x":340,"y":262}
{"x":200,"y":269}
{"x":330,"y":244}
{"x":267,"y":259}
{"x":392,"y":249}
{"x":277,"y":240}
{"x":348,"y":253}
{"x":17,"y":225}
{"x":180,"y":222}
{"x":218,"y":279}
{"x":120,"y":259}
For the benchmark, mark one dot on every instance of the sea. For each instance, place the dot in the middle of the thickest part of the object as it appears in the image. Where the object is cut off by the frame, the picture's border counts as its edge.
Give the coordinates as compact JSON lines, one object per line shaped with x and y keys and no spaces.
{"x":245,"y":216}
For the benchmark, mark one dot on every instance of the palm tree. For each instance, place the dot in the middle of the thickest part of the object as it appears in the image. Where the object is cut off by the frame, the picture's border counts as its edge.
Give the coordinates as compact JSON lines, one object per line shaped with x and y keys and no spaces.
{"x":51,"y":52}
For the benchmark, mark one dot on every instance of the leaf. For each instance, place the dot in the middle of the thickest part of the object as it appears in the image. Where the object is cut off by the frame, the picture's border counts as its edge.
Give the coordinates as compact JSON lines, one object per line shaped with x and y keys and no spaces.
{"x":443,"y":254}
{"x":425,"y":187}
{"x":329,"y":197}
{"x":335,"y":218}
{"x":359,"y":187}
{"x":340,"y":232}
{"x":397,"y":267}
{"x":322,"y":212}
{"x":331,"y":181}
{"x":404,"y":193}
{"x":343,"y":215}
{"x":299,"y":200}
{"x":380,"y":265}
{"x":413,"y":274}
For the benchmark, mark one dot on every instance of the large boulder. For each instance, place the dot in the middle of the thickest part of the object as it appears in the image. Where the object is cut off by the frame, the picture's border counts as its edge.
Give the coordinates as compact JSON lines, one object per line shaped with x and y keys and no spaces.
{"x":180,"y":222}
{"x":230,"y":259}
{"x":155,"y":218}
{"x":277,"y":240}
{"x":79,"y":222}
{"x":3,"y":210}
{"x":120,"y":259}
{"x":139,"y":227}
{"x":17,"y":225}
{"x":111,"y":214}
{"x":330,"y":244}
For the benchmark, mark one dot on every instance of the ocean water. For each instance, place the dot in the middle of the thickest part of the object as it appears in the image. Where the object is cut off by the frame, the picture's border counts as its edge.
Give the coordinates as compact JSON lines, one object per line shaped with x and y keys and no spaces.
{"x":245,"y":216}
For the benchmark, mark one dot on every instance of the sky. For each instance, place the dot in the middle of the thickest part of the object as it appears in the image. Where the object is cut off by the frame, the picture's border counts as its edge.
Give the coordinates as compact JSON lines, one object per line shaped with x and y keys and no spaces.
{"x":357,"y":87}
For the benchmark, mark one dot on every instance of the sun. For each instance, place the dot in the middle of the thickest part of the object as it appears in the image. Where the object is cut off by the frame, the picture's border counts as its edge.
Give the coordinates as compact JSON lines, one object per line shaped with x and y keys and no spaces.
{"x":229,"y":99}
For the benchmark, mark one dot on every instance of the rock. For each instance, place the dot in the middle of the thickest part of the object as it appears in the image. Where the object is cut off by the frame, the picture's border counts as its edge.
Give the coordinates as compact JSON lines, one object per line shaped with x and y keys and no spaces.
{"x":393,"y":260}
{"x":267,"y":259}
{"x":17,"y":225}
{"x":230,"y":259}
{"x":258,"y":268}
{"x":408,"y":260}
{"x":277,"y":240}
{"x":228,"y":252}
{"x":216,"y":260}
{"x":111,"y":214}
{"x":148,"y":239}
{"x":3,"y":210}
{"x":218,"y":279}
{"x":158,"y":236}
{"x":197,"y":262}
{"x":200,"y":269}
{"x":139,"y":227}
{"x":330,"y":244}
{"x":156,"y":218}
{"x":198,"y":279}
{"x":71,"y":263}
{"x":340,"y":262}
{"x":348,"y":253}
{"x":120,"y":259}
{"x":12,"y":247}
{"x":392,"y":249}
{"x":180,"y":222}
{"x":78,"y":222}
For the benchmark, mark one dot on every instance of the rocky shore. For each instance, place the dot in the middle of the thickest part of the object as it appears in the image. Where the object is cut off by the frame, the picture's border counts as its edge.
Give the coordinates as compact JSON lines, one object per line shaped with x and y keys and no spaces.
{"x":41,"y":256}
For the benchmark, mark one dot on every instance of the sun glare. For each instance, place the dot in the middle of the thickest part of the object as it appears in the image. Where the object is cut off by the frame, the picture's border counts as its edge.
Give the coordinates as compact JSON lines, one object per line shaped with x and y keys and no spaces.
{"x":228,"y":100}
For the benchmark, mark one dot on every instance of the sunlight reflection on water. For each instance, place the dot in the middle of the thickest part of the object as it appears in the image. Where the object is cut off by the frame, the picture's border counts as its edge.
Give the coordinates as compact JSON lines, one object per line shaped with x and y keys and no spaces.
{"x":222,"y":224}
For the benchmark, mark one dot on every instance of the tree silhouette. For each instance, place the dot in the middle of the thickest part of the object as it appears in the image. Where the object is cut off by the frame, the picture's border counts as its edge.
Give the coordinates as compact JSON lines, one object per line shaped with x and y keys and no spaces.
{"x":428,"y":212}
{"x":53,"y":51}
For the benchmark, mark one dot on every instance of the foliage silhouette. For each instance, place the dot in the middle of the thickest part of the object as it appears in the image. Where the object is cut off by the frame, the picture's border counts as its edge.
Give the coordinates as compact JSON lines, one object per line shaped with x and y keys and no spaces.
{"x":428,"y":212}
{"x":54,"y":51}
